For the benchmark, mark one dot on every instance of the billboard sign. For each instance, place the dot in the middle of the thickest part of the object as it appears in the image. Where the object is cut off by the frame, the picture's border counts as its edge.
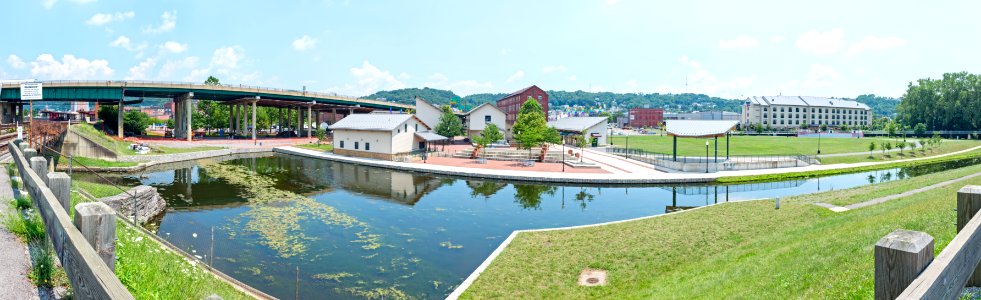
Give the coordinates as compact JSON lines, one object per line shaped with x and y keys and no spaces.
{"x":30,"y":91}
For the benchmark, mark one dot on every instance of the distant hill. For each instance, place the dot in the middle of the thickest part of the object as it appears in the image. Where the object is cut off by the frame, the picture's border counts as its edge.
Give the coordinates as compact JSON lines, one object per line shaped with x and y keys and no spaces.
{"x":881,"y":106}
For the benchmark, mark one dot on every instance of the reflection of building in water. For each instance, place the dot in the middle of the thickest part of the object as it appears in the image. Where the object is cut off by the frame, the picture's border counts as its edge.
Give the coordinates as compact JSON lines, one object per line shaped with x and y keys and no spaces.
{"x":183,"y":180}
{"x":736,"y":188}
{"x":400,"y":187}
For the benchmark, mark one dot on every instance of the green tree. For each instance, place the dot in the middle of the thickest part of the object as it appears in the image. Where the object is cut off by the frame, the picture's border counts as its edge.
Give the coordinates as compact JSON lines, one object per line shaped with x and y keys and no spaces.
{"x":900,"y":145}
{"x":887,"y":146}
{"x":871,"y":148}
{"x":758,"y":127}
{"x":803,"y":125}
{"x":919,"y":129}
{"x":449,"y":124}
{"x":581,"y":142}
{"x":844,"y":127}
{"x":891,"y":129}
{"x":489,"y":135}
{"x":530,"y":126}
{"x":134,"y":122}
{"x":824,"y":127}
{"x":212,"y":81}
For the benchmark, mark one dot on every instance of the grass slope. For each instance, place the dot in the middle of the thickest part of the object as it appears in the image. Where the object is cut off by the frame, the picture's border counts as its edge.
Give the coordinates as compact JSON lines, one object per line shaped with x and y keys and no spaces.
{"x":877,"y":156}
{"x":122,"y":147}
{"x":321,"y":147}
{"x":756,"y":145}
{"x":732,"y":250}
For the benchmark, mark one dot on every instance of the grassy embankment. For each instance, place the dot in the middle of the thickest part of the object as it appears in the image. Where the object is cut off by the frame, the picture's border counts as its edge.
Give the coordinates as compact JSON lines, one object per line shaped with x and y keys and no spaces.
{"x":946,"y":146}
{"x":744,"y":145}
{"x":732,"y":250}
{"x":322,"y":147}
{"x":808,"y":174}
{"x":149,"y":269}
{"x":122,"y":147}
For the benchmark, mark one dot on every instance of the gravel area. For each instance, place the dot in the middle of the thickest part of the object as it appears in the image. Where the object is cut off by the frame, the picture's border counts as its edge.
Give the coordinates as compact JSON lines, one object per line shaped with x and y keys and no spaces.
{"x":14,"y":283}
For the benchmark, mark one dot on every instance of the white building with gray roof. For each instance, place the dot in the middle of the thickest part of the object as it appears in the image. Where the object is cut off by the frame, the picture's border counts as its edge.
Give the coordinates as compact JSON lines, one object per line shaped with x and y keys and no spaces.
{"x":595,"y":128}
{"x":801,"y":111}
{"x":381,"y":136}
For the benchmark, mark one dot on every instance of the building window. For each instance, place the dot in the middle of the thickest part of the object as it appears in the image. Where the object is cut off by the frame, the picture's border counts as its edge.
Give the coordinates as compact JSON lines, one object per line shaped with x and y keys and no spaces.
{"x":406,"y":127}
{"x":342,"y":144}
{"x":417,"y":127}
{"x":355,"y":145}
{"x":487,"y":118}
{"x":367,"y":146}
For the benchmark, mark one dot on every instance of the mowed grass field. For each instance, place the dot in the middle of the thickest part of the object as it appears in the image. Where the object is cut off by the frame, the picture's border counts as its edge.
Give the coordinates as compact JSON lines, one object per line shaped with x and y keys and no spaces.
{"x":732,"y":250}
{"x":755,"y":145}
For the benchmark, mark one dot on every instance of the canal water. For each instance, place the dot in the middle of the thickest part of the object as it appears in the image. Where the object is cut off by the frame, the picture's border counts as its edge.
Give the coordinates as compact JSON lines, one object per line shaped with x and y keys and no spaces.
{"x":325,"y":230}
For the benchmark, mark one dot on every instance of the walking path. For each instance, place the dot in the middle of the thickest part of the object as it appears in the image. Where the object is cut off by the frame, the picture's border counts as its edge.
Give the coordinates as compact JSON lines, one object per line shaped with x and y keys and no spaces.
{"x":14,"y":283}
{"x":875,"y":201}
{"x":624,"y":177}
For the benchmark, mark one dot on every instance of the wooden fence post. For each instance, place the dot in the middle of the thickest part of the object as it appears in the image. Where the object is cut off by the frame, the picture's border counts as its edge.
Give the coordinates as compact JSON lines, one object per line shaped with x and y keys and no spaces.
{"x":900,"y":256}
{"x":29,"y":153}
{"x":61,"y":186}
{"x":40,"y":167}
{"x":97,"y":222}
{"x":968,"y":204}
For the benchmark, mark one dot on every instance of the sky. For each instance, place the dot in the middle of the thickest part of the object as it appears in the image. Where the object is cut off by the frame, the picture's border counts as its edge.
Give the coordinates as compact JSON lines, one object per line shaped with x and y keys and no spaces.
{"x":730,"y":49}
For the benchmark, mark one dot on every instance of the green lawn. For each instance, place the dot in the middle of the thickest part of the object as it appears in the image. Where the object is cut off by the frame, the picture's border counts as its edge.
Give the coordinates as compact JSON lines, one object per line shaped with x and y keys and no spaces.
{"x":748,"y":145}
{"x":321,"y":147}
{"x":946,"y":146}
{"x":732,"y":250}
{"x":95,"y":162}
{"x":122,"y":147}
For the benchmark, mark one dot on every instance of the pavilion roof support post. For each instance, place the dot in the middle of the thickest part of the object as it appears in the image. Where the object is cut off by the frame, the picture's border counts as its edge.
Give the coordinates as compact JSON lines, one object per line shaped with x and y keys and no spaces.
{"x":299,"y":121}
{"x":727,"y":145}
{"x":674,"y":149}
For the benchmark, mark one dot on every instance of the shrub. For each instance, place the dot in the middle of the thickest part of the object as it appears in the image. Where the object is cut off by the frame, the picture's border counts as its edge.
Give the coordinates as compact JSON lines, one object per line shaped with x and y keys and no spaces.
{"x":22,"y":203}
{"x":29,"y":228}
{"x":42,"y":265}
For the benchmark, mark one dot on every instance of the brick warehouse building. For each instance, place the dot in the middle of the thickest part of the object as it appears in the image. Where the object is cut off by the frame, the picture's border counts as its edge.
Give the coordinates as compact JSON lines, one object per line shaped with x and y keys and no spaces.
{"x":511,"y":104}
{"x":645,"y":117}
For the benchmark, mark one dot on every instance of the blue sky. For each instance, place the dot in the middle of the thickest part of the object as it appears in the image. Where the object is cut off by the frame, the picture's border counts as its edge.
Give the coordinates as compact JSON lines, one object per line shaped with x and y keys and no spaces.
{"x":722,"y":48}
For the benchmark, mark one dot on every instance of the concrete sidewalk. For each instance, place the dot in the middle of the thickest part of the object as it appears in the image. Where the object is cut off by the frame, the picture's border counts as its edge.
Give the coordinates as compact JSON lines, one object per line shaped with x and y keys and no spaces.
{"x":559,"y":177}
{"x":14,"y":283}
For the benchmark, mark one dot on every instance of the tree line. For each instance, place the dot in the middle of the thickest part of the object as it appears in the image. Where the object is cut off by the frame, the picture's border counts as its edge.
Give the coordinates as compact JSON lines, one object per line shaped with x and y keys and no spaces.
{"x":952,"y":102}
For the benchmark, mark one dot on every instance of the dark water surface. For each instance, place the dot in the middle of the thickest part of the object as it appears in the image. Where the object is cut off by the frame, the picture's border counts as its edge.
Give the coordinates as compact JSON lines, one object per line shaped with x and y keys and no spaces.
{"x":357,"y":232}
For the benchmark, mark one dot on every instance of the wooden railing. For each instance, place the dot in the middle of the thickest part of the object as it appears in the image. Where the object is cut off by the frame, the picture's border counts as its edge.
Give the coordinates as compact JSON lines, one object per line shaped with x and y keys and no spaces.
{"x":906,"y":269}
{"x":85,"y":247}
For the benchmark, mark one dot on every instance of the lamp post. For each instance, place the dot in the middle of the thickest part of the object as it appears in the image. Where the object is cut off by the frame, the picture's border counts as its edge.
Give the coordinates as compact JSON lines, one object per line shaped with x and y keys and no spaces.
{"x":819,"y":140}
{"x":626,"y":146}
{"x":706,"y":156}
{"x":563,"y":157}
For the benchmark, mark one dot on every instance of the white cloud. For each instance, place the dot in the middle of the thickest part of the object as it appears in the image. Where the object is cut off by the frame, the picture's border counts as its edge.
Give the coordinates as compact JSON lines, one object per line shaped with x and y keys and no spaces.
{"x":700,"y":80}
{"x":51,"y":3}
{"x":103,"y":19}
{"x":227,"y":58}
{"x":404,"y":76}
{"x":742,"y":41}
{"x":172,"y":67}
{"x":776,"y":39}
{"x":304,"y":43}
{"x":70,"y":67}
{"x":15,"y":62}
{"x":572,"y":78}
{"x":174,"y":47}
{"x":874,"y":43}
{"x":139,"y":71}
{"x":550,"y":69}
{"x":821,"y":76}
{"x":461,"y":87}
{"x":516,"y":76}
{"x":369,"y":79}
{"x":124,"y":42}
{"x":168,"y":22}
{"x":818,"y":42}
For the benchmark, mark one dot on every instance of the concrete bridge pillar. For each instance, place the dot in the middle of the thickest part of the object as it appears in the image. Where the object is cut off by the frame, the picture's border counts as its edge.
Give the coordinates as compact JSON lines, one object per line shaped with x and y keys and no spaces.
{"x":231,"y":118}
{"x":254,"y":127}
{"x":119,"y":119}
{"x":177,"y":115}
{"x":309,"y":120}
{"x":299,"y":122}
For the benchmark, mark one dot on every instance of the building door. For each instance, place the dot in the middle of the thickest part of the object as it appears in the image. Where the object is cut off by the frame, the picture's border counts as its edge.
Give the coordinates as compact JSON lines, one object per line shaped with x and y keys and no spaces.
{"x":422,"y":145}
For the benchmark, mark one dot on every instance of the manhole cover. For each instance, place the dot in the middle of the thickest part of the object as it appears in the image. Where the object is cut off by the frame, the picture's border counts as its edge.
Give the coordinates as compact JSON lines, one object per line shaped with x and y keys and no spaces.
{"x":592,"y":277}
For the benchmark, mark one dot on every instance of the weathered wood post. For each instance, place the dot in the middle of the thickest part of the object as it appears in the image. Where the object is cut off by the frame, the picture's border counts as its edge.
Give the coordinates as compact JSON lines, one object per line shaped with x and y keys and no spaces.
{"x":40,"y":167}
{"x":900,"y":256}
{"x":968,"y":204}
{"x":29,"y":153}
{"x":97,"y":222}
{"x":61,"y":186}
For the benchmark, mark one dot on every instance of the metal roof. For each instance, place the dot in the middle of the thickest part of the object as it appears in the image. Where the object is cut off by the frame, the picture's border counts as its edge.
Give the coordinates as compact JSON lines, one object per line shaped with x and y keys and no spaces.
{"x":699,"y":128}
{"x":372,"y":121}
{"x":430,"y":136}
{"x":577,"y":124}
{"x":482,"y":105}
{"x":809,"y":101}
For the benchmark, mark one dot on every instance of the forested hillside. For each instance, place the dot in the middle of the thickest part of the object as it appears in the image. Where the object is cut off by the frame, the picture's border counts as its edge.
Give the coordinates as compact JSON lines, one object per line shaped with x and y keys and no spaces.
{"x":881,"y":106}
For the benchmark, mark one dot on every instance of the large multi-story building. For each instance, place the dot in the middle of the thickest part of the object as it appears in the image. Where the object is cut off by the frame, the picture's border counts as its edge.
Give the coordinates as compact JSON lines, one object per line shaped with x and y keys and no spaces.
{"x":511,"y":104}
{"x":645,"y":117}
{"x":800,"y":111}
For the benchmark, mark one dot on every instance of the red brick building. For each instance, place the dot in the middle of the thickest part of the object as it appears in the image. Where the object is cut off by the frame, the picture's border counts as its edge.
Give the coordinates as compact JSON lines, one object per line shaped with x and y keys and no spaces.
{"x":645,"y":117}
{"x":511,"y":104}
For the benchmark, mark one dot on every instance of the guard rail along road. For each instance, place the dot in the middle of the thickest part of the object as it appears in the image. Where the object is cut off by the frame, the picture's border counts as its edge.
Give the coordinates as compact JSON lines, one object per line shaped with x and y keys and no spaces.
{"x":86,"y":248}
{"x":905,"y":267}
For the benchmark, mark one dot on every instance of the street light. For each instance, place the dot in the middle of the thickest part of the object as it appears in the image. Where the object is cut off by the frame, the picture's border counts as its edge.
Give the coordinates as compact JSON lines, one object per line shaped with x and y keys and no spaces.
{"x":706,"y":156}
{"x":563,"y":157}
{"x":819,"y":140}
